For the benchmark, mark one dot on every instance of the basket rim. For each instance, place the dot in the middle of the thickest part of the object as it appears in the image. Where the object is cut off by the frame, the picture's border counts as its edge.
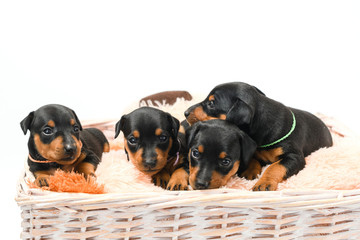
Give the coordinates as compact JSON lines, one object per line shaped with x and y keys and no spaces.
{"x":286,"y":198}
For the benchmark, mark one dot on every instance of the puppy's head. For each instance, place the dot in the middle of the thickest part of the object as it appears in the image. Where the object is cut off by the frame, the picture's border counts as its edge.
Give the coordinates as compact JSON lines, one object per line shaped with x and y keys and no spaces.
{"x":235,"y":102}
{"x":54,"y":134}
{"x":150,"y":136}
{"x":216,"y":151}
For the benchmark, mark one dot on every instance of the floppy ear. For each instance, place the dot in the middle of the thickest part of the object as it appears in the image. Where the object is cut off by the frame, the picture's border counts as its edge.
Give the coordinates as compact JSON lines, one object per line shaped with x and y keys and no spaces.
{"x":120,"y":125}
{"x":240,"y":113}
{"x":77,"y":120}
{"x":175,"y":125}
{"x":26,"y":122}
{"x":248,"y":147}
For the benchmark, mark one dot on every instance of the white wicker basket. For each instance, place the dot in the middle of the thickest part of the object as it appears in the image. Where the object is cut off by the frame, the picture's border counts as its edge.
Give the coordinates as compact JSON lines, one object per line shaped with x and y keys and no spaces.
{"x":208,"y":214}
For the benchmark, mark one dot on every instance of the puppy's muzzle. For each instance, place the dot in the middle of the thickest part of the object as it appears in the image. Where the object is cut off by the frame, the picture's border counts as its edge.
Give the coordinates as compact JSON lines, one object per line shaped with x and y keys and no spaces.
{"x":201,"y":184}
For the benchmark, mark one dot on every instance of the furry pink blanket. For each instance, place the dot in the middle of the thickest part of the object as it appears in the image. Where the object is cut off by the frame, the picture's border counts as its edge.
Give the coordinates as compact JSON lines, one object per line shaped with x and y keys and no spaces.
{"x":335,"y":168}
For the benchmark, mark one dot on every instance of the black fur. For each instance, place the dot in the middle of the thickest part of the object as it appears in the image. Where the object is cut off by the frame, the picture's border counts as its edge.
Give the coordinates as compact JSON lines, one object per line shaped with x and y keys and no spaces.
{"x":266,"y":120}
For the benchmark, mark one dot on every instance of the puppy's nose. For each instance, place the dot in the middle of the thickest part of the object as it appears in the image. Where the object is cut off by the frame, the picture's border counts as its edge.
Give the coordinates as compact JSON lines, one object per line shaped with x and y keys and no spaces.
{"x":201,"y":184}
{"x":186,"y":113}
{"x":68,"y":148}
{"x":149,"y":163}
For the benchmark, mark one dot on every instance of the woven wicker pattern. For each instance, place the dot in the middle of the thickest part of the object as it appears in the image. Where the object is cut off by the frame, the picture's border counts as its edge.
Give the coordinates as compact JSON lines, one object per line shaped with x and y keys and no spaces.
{"x":209,"y":214}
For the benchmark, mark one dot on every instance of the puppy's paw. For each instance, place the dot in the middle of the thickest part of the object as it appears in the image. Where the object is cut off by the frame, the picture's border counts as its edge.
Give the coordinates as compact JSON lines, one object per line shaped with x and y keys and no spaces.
{"x":42,"y":181}
{"x":89,"y":175}
{"x":179,"y":180}
{"x":250,"y":174}
{"x":265,"y":185}
{"x":161,"y":179}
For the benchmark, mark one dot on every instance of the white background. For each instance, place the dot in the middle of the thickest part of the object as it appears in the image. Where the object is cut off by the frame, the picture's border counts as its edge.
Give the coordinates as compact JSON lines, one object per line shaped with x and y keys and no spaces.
{"x":97,"y":57}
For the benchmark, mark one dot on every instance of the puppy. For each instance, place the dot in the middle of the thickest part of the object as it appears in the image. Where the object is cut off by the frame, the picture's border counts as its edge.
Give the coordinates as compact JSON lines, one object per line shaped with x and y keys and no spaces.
{"x":217,"y":151}
{"x":153,"y":144}
{"x":57,"y":141}
{"x":284,"y":135}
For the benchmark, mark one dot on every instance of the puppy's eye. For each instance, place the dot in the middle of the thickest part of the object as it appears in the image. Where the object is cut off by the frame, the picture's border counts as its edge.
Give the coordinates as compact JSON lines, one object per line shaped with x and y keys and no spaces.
{"x":163,"y":138}
{"x":48,"y":131}
{"x":211,"y":104}
{"x":133,"y":140}
{"x":195,"y":153}
{"x":76,"y":129}
{"x":225,"y":162}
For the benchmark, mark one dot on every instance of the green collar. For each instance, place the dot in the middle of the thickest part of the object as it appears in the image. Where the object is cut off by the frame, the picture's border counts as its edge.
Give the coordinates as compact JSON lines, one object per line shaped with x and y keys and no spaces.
{"x":284,"y":137}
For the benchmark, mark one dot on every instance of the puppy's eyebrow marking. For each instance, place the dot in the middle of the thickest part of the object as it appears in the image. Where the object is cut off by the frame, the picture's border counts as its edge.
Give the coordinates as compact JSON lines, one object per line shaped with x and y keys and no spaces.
{"x":51,"y":123}
{"x":72,"y":121}
{"x":201,"y":148}
{"x":211,"y":98}
{"x":222,"y":155}
{"x":136,"y":133}
{"x":158,"y":132}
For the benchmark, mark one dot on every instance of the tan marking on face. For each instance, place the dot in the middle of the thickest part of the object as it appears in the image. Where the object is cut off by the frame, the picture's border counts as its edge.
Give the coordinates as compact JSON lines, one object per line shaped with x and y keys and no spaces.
{"x":51,"y":123}
{"x":135,"y":157}
{"x":269,"y":156}
{"x":222,"y":155}
{"x":201,"y":148}
{"x":158,"y":132}
{"x":192,"y":176}
{"x":53,"y":151}
{"x":198,"y":114}
{"x":211,"y":98}
{"x":219,"y":180}
{"x":136,"y":133}
{"x":78,"y":146}
{"x":72,"y":121}
{"x":162,"y":156}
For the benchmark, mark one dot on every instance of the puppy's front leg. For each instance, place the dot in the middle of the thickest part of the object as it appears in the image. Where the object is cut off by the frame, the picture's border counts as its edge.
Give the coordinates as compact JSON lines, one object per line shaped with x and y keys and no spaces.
{"x":162,"y":178}
{"x":42,"y":177}
{"x":290,"y":165}
{"x":87,"y":169}
{"x":179,"y":180}
{"x":86,"y":166}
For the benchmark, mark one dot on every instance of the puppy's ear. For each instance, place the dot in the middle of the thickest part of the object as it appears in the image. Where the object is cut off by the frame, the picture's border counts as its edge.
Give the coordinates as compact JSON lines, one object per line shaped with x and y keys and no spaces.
{"x":26,"y":122}
{"x":240,"y":113}
{"x":175,"y":125}
{"x":120,"y":125}
{"x":77,"y":120}
{"x":248,"y":147}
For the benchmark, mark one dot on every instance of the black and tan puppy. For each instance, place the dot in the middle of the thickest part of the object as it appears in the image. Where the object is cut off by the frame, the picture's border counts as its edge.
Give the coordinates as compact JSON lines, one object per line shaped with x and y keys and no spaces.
{"x":153,"y":144}
{"x":57,"y":141}
{"x":284,"y":135}
{"x":217,"y":151}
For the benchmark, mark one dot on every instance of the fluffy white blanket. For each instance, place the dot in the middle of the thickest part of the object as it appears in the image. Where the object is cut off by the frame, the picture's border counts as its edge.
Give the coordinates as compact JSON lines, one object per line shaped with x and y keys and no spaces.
{"x":336,"y":168}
